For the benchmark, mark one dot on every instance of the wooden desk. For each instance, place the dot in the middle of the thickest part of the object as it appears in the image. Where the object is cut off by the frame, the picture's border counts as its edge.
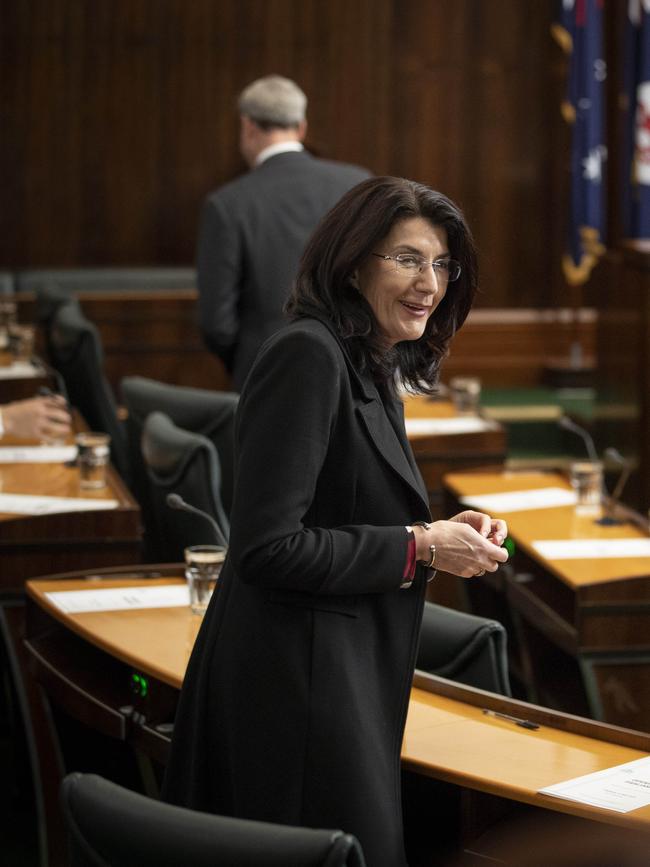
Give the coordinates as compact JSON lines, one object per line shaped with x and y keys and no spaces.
{"x":441,"y":452}
{"x":23,"y":384}
{"x":87,"y":662}
{"x":582,"y":625}
{"x":33,"y":545}
{"x":39,"y":544}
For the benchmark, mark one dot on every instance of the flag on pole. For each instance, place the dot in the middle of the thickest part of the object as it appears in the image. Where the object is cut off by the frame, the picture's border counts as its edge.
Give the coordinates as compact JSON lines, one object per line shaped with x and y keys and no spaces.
{"x":635,"y":182}
{"x":579,"y":32}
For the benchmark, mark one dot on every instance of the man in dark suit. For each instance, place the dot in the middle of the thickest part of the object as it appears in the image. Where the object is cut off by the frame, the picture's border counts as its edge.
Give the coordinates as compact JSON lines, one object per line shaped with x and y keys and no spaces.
{"x":253,"y":229}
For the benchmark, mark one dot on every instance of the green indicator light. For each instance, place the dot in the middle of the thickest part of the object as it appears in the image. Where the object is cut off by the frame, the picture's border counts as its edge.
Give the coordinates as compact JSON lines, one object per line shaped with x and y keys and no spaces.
{"x":140,"y":684}
{"x":509,"y":545}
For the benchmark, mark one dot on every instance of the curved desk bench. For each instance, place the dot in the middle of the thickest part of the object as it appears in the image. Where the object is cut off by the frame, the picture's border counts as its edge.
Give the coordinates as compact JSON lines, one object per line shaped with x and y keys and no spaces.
{"x":120,"y":672}
{"x":582,"y":624}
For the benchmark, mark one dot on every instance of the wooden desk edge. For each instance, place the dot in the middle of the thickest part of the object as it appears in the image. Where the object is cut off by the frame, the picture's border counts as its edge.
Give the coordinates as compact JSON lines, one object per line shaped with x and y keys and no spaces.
{"x":422,"y":681}
{"x":118,"y":578}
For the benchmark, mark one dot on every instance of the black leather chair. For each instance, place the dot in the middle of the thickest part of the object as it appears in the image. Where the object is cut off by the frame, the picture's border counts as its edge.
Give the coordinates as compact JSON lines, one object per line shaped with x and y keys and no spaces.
{"x":184,"y":463}
{"x":470,"y":650}
{"x":210,"y":413}
{"x":75,"y":351}
{"x":49,"y":297}
{"x":464,"y":647}
{"x":114,"y":827}
{"x":7,"y":284}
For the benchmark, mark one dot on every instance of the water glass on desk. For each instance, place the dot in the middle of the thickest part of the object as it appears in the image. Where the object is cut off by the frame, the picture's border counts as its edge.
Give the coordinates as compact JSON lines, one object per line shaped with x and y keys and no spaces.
{"x":21,"y":342}
{"x":466,"y":394}
{"x":7,"y":319}
{"x":202,"y":567}
{"x":93,"y":454}
{"x":586,"y":479}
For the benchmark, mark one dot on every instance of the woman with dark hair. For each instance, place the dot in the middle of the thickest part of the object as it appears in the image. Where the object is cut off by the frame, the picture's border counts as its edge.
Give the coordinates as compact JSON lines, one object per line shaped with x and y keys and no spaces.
{"x":294,"y":703}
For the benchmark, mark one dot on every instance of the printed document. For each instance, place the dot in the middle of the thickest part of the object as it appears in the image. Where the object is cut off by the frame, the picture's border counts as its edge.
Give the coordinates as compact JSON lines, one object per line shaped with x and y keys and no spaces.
{"x":454,"y":425}
{"x":519,"y":501}
{"x":37,"y":454}
{"x":30,"y":504}
{"x":592,"y":549}
{"x":622,"y":788}
{"x":120,"y":598}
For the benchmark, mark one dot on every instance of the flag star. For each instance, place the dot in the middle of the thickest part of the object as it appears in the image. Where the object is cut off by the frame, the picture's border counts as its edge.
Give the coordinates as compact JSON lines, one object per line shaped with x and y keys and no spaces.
{"x":592,"y":165}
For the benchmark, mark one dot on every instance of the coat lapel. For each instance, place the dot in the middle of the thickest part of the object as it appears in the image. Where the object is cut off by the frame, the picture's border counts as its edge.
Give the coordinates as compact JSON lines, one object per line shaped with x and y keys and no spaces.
{"x":385,"y":439}
{"x":395,"y":410}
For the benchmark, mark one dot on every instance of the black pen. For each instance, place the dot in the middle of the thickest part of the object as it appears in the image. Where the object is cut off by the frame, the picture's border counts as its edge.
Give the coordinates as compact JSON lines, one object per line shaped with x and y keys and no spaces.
{"x":524,"y":723}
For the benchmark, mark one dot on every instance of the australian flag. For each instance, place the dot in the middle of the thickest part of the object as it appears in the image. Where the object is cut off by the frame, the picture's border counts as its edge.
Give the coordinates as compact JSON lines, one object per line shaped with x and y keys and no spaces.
{"x":635,"y":181}
{"x":579,"y":31}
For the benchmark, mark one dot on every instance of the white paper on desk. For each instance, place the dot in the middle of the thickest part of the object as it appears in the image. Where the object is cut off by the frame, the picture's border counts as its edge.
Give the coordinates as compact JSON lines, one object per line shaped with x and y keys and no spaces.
{"x":29,"y":504}
{"x":20,"y":370}
{"x":37,"y":454}
{"x":120,"y":598}
{"x":519,"y":501}
{"x":622,"y":788}
{"x":592,"y":549}
{"x":453,"y":425}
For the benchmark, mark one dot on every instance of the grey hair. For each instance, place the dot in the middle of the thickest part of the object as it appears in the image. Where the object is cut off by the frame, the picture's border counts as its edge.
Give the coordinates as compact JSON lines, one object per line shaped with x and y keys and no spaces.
{"x":273,"y":101}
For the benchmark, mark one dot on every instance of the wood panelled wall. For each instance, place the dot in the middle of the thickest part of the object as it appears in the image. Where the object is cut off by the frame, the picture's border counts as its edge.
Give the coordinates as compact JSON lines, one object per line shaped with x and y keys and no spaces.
{"x":117,"y":116}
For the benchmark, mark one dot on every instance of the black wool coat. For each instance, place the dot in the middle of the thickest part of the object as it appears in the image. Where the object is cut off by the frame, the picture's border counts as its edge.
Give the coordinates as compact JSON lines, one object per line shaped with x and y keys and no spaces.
{"x":295,"y":698}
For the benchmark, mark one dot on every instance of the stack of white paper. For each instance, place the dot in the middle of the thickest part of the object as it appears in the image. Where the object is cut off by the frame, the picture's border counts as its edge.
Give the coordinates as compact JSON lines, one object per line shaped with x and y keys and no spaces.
{"x":453,"y":425}
{"x":519,"y":501}
{"x":37,"y":454}
{"x":592,"y":549}
{"x":120,"y":598}
{"x":28,"y":504}
{"x":19,"y":370}
{"x":622,"y":788}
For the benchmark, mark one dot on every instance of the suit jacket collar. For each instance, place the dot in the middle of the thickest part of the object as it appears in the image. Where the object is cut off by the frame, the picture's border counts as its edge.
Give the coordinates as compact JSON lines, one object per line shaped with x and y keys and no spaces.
{"x":384,"y":421}
{"x":282,"y":159}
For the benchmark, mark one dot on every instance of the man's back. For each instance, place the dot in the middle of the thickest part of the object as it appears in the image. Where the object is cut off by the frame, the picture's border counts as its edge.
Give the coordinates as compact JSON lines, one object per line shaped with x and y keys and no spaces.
{"x":253,"y":232}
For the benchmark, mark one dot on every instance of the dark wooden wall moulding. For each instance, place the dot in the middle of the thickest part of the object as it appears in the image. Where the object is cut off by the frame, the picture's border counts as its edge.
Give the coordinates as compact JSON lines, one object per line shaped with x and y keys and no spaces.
{"x":156,"y":335}
{"x":623,"y":347}
{"x":118,"y":118}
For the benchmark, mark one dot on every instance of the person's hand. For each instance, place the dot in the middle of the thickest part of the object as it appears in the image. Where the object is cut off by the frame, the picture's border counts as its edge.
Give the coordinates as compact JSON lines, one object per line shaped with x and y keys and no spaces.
{"x":40,"y":418}
{"x":493,"y":529}
{"x":466,"y":545}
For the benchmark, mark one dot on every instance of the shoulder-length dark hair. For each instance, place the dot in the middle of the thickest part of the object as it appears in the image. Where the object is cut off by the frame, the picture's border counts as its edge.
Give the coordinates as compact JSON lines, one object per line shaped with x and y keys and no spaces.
{"x":345,"y":237}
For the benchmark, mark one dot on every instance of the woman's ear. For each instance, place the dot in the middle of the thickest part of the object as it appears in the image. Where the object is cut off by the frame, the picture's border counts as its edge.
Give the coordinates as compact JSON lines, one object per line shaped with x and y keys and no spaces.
{"x":354,"y":279}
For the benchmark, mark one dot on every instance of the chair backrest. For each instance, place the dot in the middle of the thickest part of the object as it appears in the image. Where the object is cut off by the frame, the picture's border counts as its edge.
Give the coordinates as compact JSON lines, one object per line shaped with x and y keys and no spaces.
{"x":75,"y":351}
{"x":464,"y":647}
{"x":210,"y":413}
{"x":49,"y":297}
{"x":109,"y":826}
{"x":7,"y":284}
{"x":184,"y":463}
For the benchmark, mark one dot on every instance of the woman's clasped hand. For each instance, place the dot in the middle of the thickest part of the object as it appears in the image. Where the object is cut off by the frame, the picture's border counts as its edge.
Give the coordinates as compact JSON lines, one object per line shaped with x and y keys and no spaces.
{"x":468,"y":544}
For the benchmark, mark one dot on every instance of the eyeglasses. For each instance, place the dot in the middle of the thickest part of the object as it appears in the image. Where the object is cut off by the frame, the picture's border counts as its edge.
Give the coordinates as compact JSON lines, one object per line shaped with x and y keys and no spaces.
{"x":446,"y":270}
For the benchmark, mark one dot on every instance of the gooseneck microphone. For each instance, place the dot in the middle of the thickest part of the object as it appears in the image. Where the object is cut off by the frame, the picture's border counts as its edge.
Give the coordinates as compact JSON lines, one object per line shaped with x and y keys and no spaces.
{"x":626,"y":468}
{"x":175,"y":501}
{"x":566,"y":423}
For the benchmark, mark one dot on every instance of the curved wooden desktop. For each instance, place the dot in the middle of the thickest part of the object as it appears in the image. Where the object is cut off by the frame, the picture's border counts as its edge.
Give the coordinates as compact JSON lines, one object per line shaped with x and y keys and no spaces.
{"x":120,"y":672}
{"x":44,"y":544}
{"x":23,"y":386}
{"x":583,"y":624}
